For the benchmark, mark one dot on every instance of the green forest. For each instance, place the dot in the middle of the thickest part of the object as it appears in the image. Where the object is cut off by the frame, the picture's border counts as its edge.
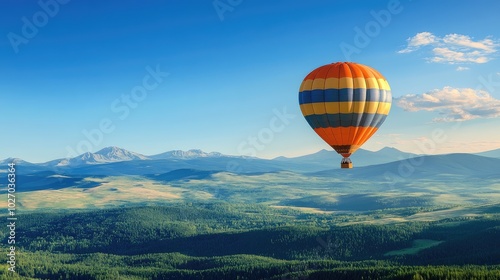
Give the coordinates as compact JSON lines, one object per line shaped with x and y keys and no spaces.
{"x":249,"y":241}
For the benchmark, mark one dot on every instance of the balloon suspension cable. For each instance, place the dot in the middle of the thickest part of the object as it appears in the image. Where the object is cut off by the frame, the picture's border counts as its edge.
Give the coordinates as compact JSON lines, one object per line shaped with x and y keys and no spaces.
{"x":346,"y":163}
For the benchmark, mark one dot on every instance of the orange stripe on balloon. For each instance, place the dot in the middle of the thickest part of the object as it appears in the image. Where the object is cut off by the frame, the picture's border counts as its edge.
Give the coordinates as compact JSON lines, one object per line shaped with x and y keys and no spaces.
{"x":356,"y":70}
{"x":322,"y":72}
{"x":333,"y":72}
{"x":360,"y":132}
{"x":369,"y":131}
{"x":360,"y":137}
{"x":334,"y":135}
{"x":325,"y":135}
{"x":352,"y":134}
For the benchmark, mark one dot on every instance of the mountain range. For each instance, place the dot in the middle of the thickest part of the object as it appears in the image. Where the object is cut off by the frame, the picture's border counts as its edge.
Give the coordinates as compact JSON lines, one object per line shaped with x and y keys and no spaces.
{"x":115,"y":154}
{"x":113,"y":176}
{"x":117,"y":161}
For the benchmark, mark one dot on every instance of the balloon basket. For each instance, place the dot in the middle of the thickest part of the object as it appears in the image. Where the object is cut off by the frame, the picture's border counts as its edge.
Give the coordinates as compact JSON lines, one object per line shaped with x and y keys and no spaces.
{"x":346,"y":165}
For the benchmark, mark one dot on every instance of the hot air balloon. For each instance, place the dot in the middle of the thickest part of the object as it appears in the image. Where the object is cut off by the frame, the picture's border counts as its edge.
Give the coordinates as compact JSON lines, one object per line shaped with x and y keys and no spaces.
{"x":345,"y":103}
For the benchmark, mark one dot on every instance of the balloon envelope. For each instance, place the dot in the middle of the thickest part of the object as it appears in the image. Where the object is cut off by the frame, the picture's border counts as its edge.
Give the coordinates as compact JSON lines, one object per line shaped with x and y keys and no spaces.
{"x":345,"y":103}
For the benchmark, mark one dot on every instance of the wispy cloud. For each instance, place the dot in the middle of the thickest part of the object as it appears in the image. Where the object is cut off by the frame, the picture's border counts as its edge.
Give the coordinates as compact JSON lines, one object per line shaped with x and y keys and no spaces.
{"x":454,"y":104}
{"x":462,"y":68}
{"x":411,"y":143}
{"x":421,"y":39}
{"x":454,"y":146}
{"x":453,"y":48}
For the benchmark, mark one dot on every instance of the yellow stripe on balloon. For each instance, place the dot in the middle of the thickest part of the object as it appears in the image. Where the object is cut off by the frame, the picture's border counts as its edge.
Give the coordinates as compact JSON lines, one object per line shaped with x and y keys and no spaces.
{"x":357,"y":107}
{"x":306,"y":85}
{"x":384,"y":108}
{"x":307,"y":109}
{"x":345,"y":82}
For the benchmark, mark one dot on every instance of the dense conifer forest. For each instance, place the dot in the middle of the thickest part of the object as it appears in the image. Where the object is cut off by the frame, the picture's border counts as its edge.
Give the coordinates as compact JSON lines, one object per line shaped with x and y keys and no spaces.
{"x":248,"y":241}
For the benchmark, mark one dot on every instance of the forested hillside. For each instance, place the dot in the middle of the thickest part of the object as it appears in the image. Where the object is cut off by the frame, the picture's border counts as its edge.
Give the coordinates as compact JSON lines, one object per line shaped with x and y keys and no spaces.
{"x":228,"y":241}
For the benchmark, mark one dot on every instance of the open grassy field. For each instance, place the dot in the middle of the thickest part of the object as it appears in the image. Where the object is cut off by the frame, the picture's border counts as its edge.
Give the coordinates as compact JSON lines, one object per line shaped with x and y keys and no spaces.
{"x":363,"y":200}
{"x":418,"y":245}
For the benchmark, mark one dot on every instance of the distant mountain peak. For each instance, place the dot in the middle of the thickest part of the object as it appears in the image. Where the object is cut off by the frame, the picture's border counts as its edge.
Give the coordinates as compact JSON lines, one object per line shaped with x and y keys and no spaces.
{"x":14,"y":160}
{"x":387,"y":148}
{"x":105,"y":155}
{"x":113,"y":153}
{"x":87,"y":155}
{"x":180,"y":154}
{"x":110,"y":149}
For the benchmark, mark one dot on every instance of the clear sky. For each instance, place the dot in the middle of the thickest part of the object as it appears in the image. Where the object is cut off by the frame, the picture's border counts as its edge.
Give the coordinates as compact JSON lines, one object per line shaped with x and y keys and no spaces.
{"x":153,"y":76}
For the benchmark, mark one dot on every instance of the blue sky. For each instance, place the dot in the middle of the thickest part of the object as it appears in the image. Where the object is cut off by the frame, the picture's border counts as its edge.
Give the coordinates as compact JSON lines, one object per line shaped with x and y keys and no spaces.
{"x":153,"y":76}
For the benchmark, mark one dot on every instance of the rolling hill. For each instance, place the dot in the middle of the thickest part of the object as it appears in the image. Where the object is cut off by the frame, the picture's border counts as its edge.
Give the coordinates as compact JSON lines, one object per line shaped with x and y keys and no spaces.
{"x":329,"y":158}
{"x":493,"y":153}
{"x":425,"y":167}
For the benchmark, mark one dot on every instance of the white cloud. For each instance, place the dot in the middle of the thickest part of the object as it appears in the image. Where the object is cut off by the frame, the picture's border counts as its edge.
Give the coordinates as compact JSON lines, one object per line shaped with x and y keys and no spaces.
{"x":446,"y":55}
{"x":462,"y":68}
{"x":486,"y":45}
{"x":453,"y":104}
{"x":453,"y":48}
{"x":421,"y":39}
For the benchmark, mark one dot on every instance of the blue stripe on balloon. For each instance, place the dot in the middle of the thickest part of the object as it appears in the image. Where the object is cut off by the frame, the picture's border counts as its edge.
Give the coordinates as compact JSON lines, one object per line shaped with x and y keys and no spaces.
{"x":345,"y":120}
{"x":343,"y":95}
